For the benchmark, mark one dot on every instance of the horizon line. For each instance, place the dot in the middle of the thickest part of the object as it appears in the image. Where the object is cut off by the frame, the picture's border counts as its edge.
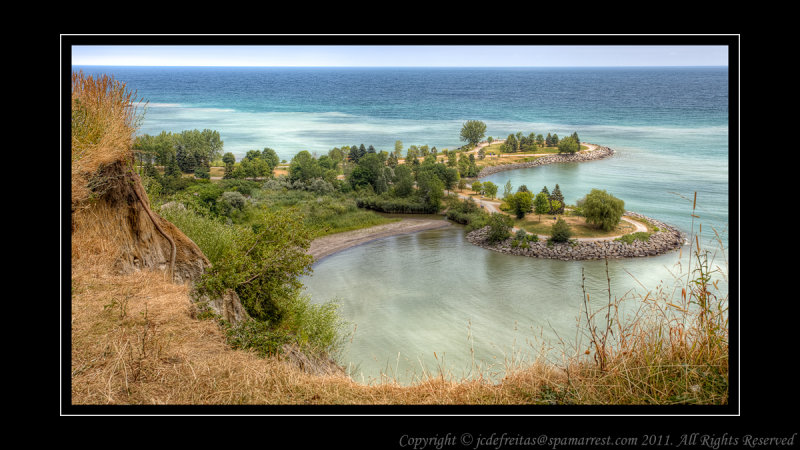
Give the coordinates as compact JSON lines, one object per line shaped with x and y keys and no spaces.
{"x":397,"y":67}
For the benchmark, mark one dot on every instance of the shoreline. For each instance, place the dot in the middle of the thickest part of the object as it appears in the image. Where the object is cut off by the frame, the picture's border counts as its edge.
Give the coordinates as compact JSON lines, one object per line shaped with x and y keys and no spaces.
{"x":334,"y":243}
{"x":596,"y":152}
{"x":666,"y":240}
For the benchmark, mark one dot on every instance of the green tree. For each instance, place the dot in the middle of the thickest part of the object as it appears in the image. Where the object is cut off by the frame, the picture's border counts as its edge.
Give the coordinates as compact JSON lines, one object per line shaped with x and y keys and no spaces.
{"x":473,"y":131}
{"x":304,"y":167}
{"x":499,"y":227}
{"x":508,"y":189}
{"x":430,"y":188}
{"x":336,"y":154}
{"x":568,"y":145}
{"x":477,"y":187}
{"x":603,"y":209}
{"x":398,"y":149}
{"x":202,"y":172}
{"x":512,"y":144}
{"x":556,"y":196}
{"x":412,"y":154}
{"x":229,"y":160}
{"x":264,"y":264}
{"x":271,"y":157}
{"x":353,"y":154}
{"x":490,"y":189}
{"x":560,"y":232}
{"x":520,"y":203}
{"x":541,"y":204}
{"x":452,"y":159}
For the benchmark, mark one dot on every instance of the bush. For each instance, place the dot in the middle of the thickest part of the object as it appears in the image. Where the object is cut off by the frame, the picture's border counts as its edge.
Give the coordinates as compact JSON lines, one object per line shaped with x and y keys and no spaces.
{"x":384,"y":203}
{"x":246,"y":187}
{"x":499,"y":227}
{"x":639,"y":235}
{"x":560,"y":232}
{"x":230,"y":201}
{"x":202,"y":173}
{"x":260,"y":336}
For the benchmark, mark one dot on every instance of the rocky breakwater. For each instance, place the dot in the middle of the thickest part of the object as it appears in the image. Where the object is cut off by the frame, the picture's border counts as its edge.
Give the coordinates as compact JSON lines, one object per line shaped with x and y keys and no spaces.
{"x":665,"y":240}
{"x":597,"y":153}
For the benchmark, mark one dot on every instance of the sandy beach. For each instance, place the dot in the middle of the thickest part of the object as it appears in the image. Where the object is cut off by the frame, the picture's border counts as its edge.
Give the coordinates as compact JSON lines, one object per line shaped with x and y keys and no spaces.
{"x":327,"y":245}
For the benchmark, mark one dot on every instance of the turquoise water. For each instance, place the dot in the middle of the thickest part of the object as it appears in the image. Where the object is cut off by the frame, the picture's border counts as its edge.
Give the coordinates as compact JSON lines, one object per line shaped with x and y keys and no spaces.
{"x":432,"y":291}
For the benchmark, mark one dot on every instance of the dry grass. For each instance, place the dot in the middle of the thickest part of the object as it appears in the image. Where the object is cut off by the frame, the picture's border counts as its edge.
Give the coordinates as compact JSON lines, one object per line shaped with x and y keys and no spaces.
{"x":104,"y":118}
{"x":135,"y":341}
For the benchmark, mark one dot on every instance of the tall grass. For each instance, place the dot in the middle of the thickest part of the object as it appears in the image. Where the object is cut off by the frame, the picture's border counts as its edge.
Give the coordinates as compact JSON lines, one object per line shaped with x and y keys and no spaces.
{"x":105,"y":115}
{"x":666,"y":346}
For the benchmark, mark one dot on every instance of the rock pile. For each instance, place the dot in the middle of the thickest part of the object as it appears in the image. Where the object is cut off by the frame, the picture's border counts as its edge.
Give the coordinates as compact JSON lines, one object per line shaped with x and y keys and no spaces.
{"x":598,"y":153}
{"x":665,"y":240}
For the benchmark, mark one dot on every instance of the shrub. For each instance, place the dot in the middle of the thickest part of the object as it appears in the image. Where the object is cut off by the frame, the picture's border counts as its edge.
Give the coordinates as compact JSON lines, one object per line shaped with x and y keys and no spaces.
{"x":230,"y":201}
{"x":202,"y":172}
{"x":560,"y":232}
{"x":246,"y":187}
{"x":639,"y":235}
{"x":499,"y":227}
{"x":383,"y":203}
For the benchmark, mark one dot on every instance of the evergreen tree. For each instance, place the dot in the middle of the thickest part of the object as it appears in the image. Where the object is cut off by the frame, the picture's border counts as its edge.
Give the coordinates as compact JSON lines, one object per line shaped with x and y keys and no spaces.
{"x":511,"y":143}
{"x":229,"y":160}
{"x":546,"y":192}
{"x":556,"y":196}
{"x":172,"y":169}
{"x":353,"y":154}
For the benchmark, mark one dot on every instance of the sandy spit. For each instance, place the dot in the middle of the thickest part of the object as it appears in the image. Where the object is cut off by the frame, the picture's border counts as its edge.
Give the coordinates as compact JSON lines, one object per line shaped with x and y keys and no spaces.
{"x":328,"y":245}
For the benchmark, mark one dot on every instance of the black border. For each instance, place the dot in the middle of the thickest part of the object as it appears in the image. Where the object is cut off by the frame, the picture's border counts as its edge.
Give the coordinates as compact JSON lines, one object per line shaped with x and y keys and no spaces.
{"x":537,"y":413}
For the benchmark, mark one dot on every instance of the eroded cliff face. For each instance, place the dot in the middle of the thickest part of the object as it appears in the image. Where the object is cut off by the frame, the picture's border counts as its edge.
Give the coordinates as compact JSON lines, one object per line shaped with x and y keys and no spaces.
{"x":114,"y":229}
{"x":119,"y":213}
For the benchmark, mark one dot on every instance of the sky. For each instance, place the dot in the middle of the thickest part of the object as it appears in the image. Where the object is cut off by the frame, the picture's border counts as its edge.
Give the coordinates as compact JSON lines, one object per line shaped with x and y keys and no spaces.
{"x":401,"y":55}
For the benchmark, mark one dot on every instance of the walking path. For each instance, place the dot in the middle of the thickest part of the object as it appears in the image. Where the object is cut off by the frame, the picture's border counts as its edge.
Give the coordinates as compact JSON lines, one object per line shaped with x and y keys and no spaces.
{"x":493,"y":207}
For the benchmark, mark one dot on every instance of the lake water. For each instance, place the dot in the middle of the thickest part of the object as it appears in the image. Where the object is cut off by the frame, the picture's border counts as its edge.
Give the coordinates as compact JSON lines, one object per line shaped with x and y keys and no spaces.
{"x":414,"y":295}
